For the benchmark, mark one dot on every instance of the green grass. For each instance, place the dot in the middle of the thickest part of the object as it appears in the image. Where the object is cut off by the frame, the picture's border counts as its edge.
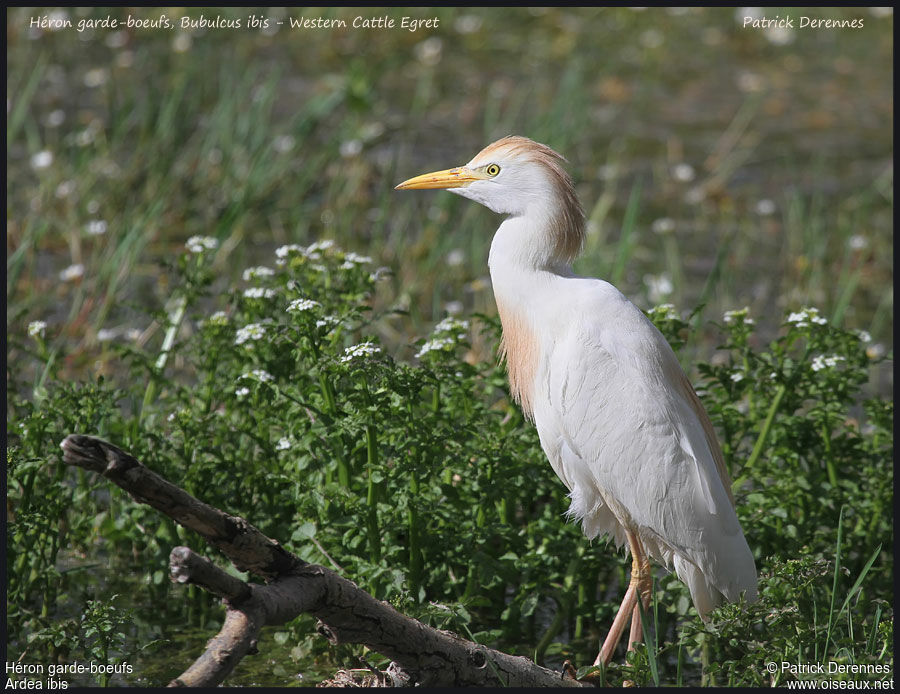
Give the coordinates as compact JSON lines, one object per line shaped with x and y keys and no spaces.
{"x":175,"y":144}
{"x":262,"y":140}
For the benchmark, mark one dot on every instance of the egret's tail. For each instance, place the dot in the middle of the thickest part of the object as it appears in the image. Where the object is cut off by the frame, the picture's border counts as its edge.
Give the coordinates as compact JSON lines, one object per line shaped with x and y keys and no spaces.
{"x":705,"y":594}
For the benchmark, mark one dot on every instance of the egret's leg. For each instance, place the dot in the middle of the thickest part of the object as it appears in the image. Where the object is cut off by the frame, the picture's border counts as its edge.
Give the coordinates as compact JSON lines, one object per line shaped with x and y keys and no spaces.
{"x":642,"y":577}
{"x":618,"y":626}
{"x":639,"y":585}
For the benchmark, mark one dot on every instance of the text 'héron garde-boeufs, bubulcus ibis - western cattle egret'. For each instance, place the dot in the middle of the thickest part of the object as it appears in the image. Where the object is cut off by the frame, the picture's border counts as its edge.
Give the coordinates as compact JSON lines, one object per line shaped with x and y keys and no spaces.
{"x":616,"y":415}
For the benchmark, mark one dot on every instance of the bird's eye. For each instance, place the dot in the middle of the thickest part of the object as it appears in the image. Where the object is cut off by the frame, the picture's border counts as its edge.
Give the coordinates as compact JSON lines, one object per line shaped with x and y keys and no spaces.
{"x":492,"y":170}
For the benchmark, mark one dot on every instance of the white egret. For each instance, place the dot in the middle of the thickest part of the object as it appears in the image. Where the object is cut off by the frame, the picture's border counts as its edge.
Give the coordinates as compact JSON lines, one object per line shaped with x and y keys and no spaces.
{"x":616,"y":415}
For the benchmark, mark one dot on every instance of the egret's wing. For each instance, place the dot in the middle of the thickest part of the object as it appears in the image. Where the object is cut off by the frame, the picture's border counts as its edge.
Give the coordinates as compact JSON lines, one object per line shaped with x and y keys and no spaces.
{"x":683,"y":384}
{"x":623,"y":428}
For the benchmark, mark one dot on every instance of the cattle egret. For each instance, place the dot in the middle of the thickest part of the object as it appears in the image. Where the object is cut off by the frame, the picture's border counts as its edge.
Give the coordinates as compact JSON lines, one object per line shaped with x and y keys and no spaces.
{"x":616,"y":415}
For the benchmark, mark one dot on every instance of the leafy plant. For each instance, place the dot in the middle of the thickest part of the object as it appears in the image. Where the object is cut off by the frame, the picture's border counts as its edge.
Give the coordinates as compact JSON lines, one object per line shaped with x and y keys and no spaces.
{"x":414,"y":475}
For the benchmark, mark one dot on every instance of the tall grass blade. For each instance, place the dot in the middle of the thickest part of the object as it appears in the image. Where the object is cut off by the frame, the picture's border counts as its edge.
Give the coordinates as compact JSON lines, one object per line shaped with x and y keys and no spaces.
{"x":837,"y":573}
{"x":652,"y":644}
{"x":20,"y":110}
{"x":857,"y":586}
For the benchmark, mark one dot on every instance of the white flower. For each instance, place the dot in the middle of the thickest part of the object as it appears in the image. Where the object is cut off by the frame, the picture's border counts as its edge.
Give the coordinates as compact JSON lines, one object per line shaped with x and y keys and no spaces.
{"x":253,"y":331}
{"x":242,"y":391}
{"x":737,"y":376}
{"x":356,"y":259}
{"x":259,"y":293}
{"x":823,"y":362}
{"x":695,"y":195}
{"x":805,"y":316}
{"x":683,"y":172}
{"x":666,"y":311}
{"x":283,"y":444}
{"x":429,"y":51}
{"x":42,"y":160}
{"x":451,"y":325}
{"x":107,"y":334}
{"x":742,"y":13}
{"x":282,"y":251}
{"x":182,"y":42}
{"x":327,"y":322}
{"x":857,"y":242}
{"x":255,"y":272}
{"x":658,"y":286}
{"x":607,"y":172}
{"x":283,"y":143}
{"x":363,"y":349}
{"x":64,"y":189}
{"x":73,"y":272}
{"x":380,"y":274}
{"x":765,"y":207}
{"x":298,"y":305}
{"x":95,"y":77}
{"x":437,"y":344}
{"x":259,"y":375}
{"x":467,"y":23}
{"x":323,"y":245}
{"x":198,"y":244}
{"x":780,"y":36}
{"x":96,"y":227}
{"x":37,"y":328}
{"x":456,"y":257}
{"x":350,"y":148}
{"x":218,"y":318}
{"x":733,"y":316}
{"x":453,"y":307}
{"x":449,"y":331}
{"x":663,"y":225}
{"x":863,"y":336}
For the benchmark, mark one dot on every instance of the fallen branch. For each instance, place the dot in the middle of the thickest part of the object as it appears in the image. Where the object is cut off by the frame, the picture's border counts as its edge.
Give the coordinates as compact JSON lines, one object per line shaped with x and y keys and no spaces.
{"x":347,"y":614}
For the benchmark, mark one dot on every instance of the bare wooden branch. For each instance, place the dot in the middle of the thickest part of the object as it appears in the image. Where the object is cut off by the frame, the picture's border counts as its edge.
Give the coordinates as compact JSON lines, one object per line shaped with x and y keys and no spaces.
{"x":421,"y":654}
{"x":236,"y":639}
{"x":185,"y":566}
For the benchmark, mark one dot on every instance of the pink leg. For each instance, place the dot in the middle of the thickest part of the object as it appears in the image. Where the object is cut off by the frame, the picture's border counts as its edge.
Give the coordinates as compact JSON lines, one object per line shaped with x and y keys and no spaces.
{"x":639,"y":585}
{"x":637,"y":633}
{"x":618,"y":626}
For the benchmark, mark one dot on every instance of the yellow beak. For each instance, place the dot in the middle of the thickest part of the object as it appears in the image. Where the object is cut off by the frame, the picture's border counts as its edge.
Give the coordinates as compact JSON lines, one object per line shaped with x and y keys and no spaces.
{"x":448,"y":178}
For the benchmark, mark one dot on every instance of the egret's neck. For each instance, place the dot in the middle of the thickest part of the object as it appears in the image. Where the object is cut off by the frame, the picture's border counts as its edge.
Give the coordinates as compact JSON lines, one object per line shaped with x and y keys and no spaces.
{"x":523,"y":249}
{"x":524,"y":269}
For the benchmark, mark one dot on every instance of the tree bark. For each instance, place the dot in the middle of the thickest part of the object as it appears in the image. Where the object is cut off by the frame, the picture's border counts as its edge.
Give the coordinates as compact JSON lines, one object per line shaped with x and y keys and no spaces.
{"x":347,"y":614}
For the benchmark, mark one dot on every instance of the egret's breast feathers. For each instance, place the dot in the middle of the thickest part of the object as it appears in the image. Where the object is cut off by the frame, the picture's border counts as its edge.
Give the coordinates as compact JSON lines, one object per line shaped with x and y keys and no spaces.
{"x":520,"y":347}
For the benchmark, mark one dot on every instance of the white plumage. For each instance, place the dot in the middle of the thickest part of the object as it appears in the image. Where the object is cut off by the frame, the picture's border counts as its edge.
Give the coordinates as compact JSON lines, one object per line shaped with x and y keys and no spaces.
{"x":616,"y":415}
